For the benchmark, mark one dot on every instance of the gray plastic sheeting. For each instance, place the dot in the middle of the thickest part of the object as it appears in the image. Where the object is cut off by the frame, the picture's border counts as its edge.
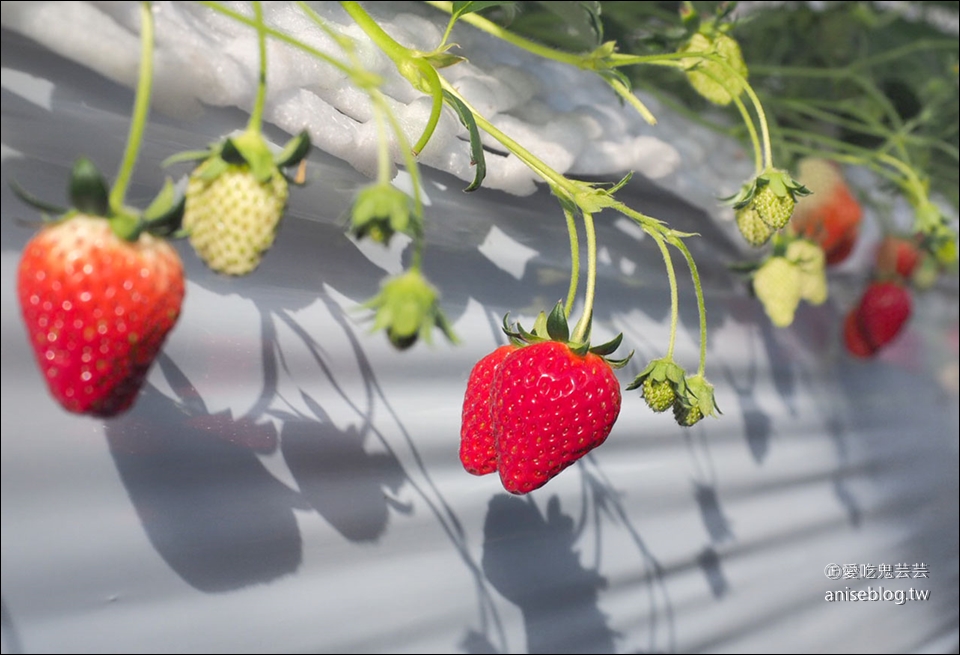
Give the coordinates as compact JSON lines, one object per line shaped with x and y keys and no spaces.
{"x":287,"y":482}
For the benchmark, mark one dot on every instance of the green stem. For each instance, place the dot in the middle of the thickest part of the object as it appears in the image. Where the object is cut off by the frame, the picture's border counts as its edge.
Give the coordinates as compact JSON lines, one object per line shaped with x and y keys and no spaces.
{"x":674,"y":293}
{"x":381,"y":108}
{"x":416,"y":70}
{"x":701,"y":305}
{"x":384,"y":159}
{"x":361,"y":78}
{"x":256,"y":116}
{"x":141,"y":108}
{"x":493,"y":29}
{"x":574,"y":261}
{"x":633,"y":101}
{"x":413,"y":170}
{"x":758,"y":161}
{"x":582,"y":330}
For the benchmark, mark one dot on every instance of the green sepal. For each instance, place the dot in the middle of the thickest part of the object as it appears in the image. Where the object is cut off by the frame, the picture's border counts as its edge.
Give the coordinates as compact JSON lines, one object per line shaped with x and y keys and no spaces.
{"x":295,"y":150}
{"x":442,"y":59}
{"x":477,"y":158}
{"x":380,"y":210}
{"x":699,"y":395}
{"x":213,"y":168}
{"x":619,"y":363}
{"x":622,"y":183}
{"x":249,"y":148}
{"x":408,"y":309}
{"x":188,"y":155}
{"x":539,"y":325}
{"x":554,"y":327}
{"x":557,"y":327}
{"x":164,"y":216}
{"x":35,"y":202}
{"x":607,"y":348}
{"x":660,"y":370}
{"x":88,"y":189}
{"x":128,"y":227}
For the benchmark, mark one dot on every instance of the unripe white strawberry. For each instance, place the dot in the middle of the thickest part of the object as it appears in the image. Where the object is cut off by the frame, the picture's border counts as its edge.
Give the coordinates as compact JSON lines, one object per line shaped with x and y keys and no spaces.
{"x":777,"y":285}
{"x":232,"y":218}
{"x":811,"y":260}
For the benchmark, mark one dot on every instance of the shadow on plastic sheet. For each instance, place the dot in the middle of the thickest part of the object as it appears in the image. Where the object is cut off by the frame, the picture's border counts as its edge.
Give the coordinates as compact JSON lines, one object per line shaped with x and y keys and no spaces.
{"x":210,"y":508}
{"x":529,"y":557}
{"x":10,"y":636}
{"x":532,"y":558}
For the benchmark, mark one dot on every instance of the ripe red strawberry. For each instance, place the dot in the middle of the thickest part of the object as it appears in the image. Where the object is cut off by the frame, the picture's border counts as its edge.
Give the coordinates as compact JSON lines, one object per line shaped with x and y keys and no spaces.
{"x":897,"y":255}
{"x":882,"y":313}
{"x":853,"y":337}
{"x":551,"y":407}
{"x":831,"y":215}
{"x":478,"y":452}
{"x":97,"y":309}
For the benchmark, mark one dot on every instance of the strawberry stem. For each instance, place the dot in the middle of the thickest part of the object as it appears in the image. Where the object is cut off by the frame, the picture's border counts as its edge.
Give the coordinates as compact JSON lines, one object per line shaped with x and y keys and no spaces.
{"x":256,"y":115}
{"x":581,"y":331}
{"x":674,"y":293}
{"x":574,"y":261}
{"x":416,"y":70}
{"x":141,"y":108}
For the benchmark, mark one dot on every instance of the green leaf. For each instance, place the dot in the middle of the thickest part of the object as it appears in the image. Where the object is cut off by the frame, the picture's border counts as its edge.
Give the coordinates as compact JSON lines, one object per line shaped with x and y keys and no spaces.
{"x":88,"y":189}
{"x":294,"y":151}
{"x":476,"y":146}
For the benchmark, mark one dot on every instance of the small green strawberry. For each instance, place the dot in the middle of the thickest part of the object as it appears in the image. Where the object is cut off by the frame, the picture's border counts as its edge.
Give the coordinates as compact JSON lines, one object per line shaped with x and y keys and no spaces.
{"x":753,"y":228}
{"x":775,"y":209}
{"x":380,"y":211}
{"x":661,"y":383}
{"x":235,"y":199}
{"x":696,"y":402}
{"x":772,"y":195}
{"x":408,"y":308}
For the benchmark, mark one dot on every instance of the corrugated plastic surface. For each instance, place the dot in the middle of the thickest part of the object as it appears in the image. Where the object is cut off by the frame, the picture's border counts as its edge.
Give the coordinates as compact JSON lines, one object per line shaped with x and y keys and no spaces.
{"x":287,"y":482}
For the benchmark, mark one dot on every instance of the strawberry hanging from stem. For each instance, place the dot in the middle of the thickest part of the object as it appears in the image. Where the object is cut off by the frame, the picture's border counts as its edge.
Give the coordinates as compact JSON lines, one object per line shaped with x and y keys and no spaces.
{"x":236,"y":196}
{"x":552,"y":400}
{"x":99,"y":287}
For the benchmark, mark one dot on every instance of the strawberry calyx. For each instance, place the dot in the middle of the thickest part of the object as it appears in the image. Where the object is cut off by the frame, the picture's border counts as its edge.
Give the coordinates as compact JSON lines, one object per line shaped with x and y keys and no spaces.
{"x":408,"y":308}
{"x":380,"y":211}
{"x":554,"y":327}
{"x":696,"y":403}
{"x":248,"y":149}
{"x":662,"y":382}
{"x":89,"y":196}
{"x":772,"y":195}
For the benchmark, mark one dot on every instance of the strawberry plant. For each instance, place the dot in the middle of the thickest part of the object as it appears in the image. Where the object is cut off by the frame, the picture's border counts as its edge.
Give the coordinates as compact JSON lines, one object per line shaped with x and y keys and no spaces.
{"x":538,"y":404}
